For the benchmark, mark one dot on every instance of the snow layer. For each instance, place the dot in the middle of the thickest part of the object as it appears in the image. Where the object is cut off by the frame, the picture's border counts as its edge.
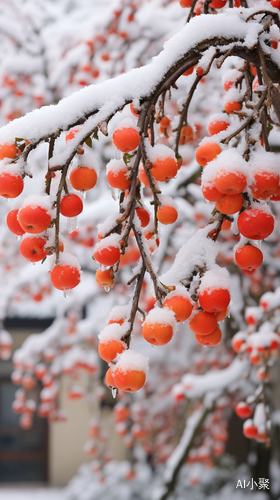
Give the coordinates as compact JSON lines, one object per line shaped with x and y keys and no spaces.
{"x":132,"y":360}
{"x":108,"y":96}
{"x":198,"y":251}
{"x":197,"y":385}
{"x":216,"y":278}
{"x":114,"y":331}
{"x":161,"y":315}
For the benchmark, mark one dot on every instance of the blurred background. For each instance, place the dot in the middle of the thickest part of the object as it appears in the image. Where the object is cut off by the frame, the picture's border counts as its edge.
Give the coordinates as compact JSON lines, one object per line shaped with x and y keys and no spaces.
{"x":62,"y":434}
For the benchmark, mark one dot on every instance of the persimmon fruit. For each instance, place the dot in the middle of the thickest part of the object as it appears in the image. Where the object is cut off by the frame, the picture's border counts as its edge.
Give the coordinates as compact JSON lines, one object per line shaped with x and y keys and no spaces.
{"x":32,"y":248}
{"x":143,"y":176}
{"x":103,"y":278}
{"x":276,"y":195}
{"x":157,"y":333}
{"x":255,"y":223}
{"x":250,"y":431}
{"x":237,"y":344}
{"x":143,"y":216}
{"x":129,"y":380}
{"x":211,"y":193}
{"x":190,"y":70}
{"x":230,"y":183}
{"x":186,"y":134}
{"x":211,"y":339}
{"x":109,"y":378}
{"x":230,"y":204}
{"x":71,"y":205}
{"x":207,"y":152}
{"x":65,"y":277}
{"x":265,"y":184}
{"x":34,"y":219}
{"x":108,"y":350}
{"x":203,"y":323}
{"x":221,"y":315}
{"x":214,"y":299}
{"x":232,"y":106}
{"x":164,"y":122}
{"x":185,"y":3}
{"x":217,"y":126}
{"x":13,"y":223}
{"x":7,"y":151}
{"x":180,"y":305}
{"x":118,"y":179}
{"x":164,"y":169}
{"x":126,"y":139}
{"x":167,"y":214}
{"x":133,"y":111}
{"x":248,"y":257}
{"x":107,"y":256}
{"x":226,"y":225}
{"x":83,"y":178}
{"x":11,"y":185}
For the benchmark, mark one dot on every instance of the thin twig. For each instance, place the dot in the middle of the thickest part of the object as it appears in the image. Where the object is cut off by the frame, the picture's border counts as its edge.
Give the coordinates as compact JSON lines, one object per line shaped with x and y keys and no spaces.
{"x":246,"y":122}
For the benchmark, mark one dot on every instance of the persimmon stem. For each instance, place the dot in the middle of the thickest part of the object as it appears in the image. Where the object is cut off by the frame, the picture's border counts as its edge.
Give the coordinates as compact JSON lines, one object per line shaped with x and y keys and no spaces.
{"x":135,"y":301}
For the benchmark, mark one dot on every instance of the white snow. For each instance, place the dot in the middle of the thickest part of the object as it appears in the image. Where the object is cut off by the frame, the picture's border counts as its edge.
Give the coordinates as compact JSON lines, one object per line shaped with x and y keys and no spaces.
{"x":132,"y":360}
{"x":113,"y":240}
{"x":197,"y":385}
{"x":114,"y":331}
{"x":216,"y":278}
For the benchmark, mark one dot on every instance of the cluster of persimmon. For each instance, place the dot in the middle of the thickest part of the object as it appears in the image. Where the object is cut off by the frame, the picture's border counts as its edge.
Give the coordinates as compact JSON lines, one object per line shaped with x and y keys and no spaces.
{"x":45,"y":370}
{"x":163,"y":167}
{"x":143,"y":425}
{"x":129,"y":372}
{"x":94,"y":448}
{"x":160,"y":325}
{"x":203,"y":315}
{"x":256,"y":427}
{"x":84,"y":235}
{"x":239,"y":187}
{"x":37,"y":292}
{"x":36,"y":216}
{"x":262,"y":347}
{"x":215,"y":5}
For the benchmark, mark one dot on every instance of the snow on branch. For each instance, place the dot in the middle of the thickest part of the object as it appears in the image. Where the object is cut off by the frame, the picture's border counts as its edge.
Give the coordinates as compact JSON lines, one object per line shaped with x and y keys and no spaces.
{"x":198,"y":385}
{"x":179,"y":455}
{"x":105,"y":99}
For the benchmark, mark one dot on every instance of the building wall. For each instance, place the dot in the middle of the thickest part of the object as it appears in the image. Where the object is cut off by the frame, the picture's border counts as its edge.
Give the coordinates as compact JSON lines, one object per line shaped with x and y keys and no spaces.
{"x":67,"y":439}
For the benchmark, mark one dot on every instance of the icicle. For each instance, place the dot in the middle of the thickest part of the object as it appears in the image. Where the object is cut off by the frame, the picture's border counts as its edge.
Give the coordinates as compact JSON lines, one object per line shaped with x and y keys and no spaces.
{"x":107,"y":289}
{"x":114,"y":392}
{"x":66,"y":293}
{"x":114,"y":194}
{"x":18,"y":238}
{"x":83,"y":195}
{"x":72,"y":224}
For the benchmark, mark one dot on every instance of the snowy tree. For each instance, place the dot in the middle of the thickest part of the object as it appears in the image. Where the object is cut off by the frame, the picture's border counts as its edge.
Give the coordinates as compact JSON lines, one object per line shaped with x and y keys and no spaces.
{"x":173,"y":265}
